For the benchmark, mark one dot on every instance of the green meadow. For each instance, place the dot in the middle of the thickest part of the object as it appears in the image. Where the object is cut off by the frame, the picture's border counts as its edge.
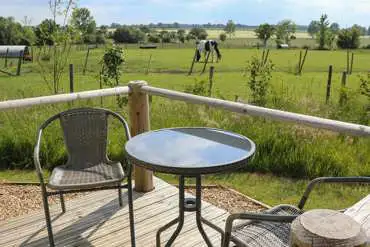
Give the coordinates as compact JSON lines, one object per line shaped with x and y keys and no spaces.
{"x":287,"y":156}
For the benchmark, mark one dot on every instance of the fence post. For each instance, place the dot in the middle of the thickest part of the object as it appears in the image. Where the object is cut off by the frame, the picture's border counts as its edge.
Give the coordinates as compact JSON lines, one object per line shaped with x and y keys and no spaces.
{"x":347,"y":61}
{"x":86,"y":59}
{"x":205,"y":62}
{"x":211,"y":72}
{"x":192,"y":63}
{"x":343,"y":93}
{"x":350,"y":70}
{"x":71,"y":79}
{"x":328,"y":86}
{"x":19,"y":63}
{"x":6,"y":58}
{"x":139,"y":123}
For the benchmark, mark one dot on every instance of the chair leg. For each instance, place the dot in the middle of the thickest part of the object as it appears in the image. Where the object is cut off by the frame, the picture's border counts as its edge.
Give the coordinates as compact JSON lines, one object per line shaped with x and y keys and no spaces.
{"x":63,"y":205}
{"x":47,"y":215}
{"x":131,"y":211}
{"x":120,"y":195}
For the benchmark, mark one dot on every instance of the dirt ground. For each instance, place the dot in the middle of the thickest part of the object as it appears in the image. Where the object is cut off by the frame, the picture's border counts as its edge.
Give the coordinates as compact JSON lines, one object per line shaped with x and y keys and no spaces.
{"x":16,"y":200}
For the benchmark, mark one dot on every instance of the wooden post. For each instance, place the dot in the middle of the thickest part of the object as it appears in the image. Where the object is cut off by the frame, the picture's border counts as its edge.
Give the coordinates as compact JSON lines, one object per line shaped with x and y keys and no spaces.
{"x":324,"y":227}
{"x":205,"y":63}
{"x":6,"y":58}
{"x":266,"y":57}
{"x":71,"y":79}
{"x":148,"y":67}
{"x":299,"y":62}
{"x":139,"y":123}
{"x":101,"y":83}
{"x":303,"y":60}
{"x":343,"y":94}
{"x":86,"y":59}
{"x":211,"y":72}
{"x":192,"y":64}
{"x":19,"y":63}
{"x":347,"y":61}
{"x":328,"y":85}
{"x":350,"y":70}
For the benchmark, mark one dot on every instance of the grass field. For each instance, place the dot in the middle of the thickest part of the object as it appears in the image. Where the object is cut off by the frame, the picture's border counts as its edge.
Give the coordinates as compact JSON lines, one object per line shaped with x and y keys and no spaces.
{"x":286,"y":150}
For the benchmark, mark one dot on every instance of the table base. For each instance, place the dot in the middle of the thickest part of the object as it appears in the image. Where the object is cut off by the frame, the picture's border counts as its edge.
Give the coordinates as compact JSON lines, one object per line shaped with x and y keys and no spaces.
{"x":189,"y":205}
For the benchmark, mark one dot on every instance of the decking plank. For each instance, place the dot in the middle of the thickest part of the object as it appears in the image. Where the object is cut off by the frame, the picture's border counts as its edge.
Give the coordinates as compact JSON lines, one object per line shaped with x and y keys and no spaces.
{"x":96,"y":219}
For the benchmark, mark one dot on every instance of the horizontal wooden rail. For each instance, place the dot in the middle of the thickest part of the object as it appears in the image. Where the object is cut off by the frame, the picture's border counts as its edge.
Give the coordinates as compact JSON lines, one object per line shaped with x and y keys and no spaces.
{"x":316,"y":122}
{"x":19,"y":103}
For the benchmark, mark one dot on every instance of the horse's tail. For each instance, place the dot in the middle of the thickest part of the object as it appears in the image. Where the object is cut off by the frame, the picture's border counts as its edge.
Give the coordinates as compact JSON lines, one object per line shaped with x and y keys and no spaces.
{"x":217,"y":50}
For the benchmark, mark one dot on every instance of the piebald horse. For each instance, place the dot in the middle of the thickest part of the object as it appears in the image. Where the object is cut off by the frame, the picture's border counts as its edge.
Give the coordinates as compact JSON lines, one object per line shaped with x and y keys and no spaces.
{"x":207,"y":46}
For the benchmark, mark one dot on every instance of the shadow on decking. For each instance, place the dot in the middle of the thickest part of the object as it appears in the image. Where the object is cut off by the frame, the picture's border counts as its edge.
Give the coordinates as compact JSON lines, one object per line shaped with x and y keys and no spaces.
{"x":78,"y":233}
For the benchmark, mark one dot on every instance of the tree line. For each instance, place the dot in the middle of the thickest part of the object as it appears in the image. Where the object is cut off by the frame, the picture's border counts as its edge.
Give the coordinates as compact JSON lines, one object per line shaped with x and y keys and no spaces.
{"x":326,"y":34}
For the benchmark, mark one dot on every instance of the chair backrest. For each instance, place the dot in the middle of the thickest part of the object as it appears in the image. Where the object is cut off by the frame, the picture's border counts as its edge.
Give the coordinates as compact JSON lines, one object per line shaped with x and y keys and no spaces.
{"x":85,"y":136}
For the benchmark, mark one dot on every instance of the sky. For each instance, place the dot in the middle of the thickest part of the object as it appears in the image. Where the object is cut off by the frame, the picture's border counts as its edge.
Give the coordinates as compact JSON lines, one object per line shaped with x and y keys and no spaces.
{"x":250,"y":12}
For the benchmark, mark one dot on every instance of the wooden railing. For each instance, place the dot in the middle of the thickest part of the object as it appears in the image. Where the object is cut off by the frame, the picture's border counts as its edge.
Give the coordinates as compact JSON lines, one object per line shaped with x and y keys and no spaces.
{"x":138,"y":92}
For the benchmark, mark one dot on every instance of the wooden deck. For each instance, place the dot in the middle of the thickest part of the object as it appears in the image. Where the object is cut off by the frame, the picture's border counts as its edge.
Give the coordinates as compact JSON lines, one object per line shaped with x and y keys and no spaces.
{"x":97,"y":220}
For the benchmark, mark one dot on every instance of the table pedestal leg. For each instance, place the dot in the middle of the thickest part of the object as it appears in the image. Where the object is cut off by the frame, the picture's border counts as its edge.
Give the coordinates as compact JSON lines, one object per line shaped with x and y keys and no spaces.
{"x":189,"y":205}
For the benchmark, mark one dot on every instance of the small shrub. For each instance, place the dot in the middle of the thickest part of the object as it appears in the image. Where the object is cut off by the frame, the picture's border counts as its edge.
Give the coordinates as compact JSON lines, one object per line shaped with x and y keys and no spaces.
{"x":198,"y":88}
{"x":259,"y":79}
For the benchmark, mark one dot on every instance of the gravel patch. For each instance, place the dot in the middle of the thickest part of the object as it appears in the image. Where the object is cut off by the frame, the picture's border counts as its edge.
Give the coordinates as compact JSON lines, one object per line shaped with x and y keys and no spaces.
{"x":229,"y":200}
{"x":16,"y":200}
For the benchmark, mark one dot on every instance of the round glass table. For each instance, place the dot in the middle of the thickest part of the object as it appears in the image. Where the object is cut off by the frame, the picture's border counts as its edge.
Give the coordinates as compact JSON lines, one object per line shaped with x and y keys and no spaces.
{"x":189,"y":152}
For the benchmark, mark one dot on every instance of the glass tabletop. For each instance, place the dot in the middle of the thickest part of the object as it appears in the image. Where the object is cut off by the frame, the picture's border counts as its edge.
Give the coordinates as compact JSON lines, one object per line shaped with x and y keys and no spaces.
{"x":190,"y":151}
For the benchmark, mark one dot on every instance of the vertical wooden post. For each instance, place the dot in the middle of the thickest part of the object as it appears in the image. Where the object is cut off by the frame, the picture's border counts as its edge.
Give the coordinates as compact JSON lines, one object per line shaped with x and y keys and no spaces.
{"x":139,"y":123}
{"x":299,"y":62}
{"x":343,"y":93}
{"x":328,"y":85}
{"x":347,"y":61}
{"x":19,"y":63}
{"x":192,"y":64}
{"x":266,"y":57}
{"x":6,"y":58}
{"x":71,"y":79}
{"x":302,"y":62}
{"x":86,"y":59}
{"x":205,"y":63}
{"x":31,"y":54}
{"x":148,"y":67}
{"x":350,"y":70}
{"x":211,"y":72}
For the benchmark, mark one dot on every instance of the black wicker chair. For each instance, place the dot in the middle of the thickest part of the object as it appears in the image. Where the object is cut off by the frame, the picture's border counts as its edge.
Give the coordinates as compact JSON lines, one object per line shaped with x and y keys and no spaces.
{"x":272,"y":227}
{"x":88,"y":167}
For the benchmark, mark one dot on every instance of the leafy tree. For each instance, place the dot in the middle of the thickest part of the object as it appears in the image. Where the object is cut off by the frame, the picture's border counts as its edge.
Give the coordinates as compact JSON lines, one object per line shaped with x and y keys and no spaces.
{"x":128,"y":35}
{"x":197,"y":33}
{"x":323,"y":31}
{"x":28,"y":37}
{"x":361,"y":29}
{"x":145,"y":29}
{"x":349,"y":38}
{"x":285,"y":31}
{"x":61,"y":38}
{"x":181,"y":35}
{"x":83,"y":21}
{"x":11,"y":32}
{"x":334,"y":27}
{"x":44,"y":32}
{"x":264,"y":32}
{"x":368,"y":31}
{"x":223,"y":37}
{"x":313,"y":28}
{"x":230,"y":28}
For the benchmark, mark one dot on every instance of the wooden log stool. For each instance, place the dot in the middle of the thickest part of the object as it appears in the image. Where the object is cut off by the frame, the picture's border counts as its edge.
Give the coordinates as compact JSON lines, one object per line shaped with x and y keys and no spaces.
{"x":326,"y":228}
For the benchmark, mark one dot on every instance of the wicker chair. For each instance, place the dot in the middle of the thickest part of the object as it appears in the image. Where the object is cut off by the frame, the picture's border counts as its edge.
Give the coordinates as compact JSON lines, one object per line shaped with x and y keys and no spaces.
{"x":272,"y":227}
{"x":88,"y":167}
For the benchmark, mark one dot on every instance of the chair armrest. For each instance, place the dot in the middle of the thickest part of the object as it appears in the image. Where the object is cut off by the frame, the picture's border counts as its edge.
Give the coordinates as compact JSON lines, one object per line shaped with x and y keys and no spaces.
{"x":312,"y":184}
{"x":36,"y":152}
{"x":267,"y":216}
